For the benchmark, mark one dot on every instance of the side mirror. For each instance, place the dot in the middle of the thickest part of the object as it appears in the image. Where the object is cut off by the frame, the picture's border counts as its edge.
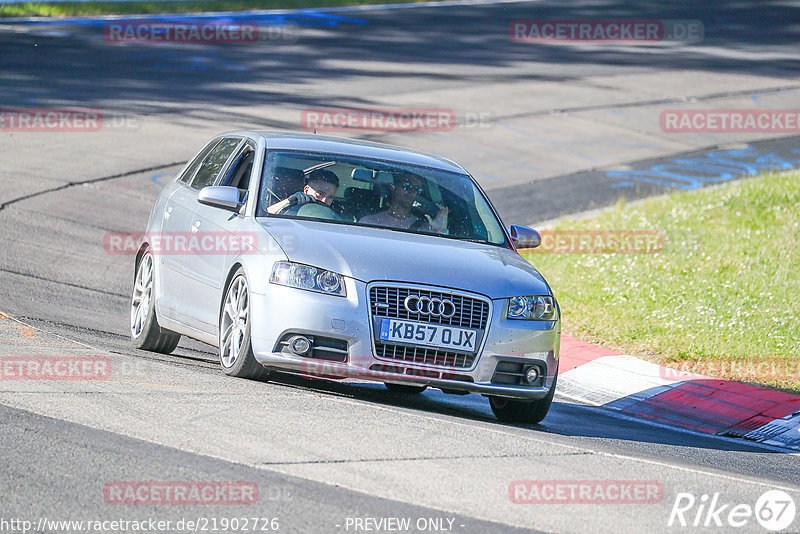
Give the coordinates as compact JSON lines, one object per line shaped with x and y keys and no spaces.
{"x":220,"y":196}
{"x":524,"y":237}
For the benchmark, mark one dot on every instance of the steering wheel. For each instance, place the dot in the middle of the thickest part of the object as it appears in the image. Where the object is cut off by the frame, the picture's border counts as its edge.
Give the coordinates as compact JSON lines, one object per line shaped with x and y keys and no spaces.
{"x":318,"y":210}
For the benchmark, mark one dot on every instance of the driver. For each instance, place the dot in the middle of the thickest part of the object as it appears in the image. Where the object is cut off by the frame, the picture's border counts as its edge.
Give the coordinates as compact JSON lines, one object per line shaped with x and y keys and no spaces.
{"x":398,"y":213}
{"x":320,"y":187}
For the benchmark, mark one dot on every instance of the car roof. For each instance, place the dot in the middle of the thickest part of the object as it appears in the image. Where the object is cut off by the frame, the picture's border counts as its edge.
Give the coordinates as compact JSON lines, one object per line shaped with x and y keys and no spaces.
{"x":350,"y":147}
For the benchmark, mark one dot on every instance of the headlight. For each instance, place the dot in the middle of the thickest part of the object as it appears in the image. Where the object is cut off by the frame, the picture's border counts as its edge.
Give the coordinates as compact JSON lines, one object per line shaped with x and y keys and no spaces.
{"x":533,"y":308}
{"x":301,"y":276}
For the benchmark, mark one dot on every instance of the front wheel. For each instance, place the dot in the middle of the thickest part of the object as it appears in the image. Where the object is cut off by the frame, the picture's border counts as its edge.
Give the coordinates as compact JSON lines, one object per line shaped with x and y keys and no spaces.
{"x":146,"y":334}
{"x":523,"y":411}
{"x":235,"y":350}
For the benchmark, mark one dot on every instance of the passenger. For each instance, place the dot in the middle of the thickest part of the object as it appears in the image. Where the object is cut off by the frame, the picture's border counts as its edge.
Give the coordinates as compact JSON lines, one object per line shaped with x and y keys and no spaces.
{"x":321,"y":186}
{"x":398,"y":214}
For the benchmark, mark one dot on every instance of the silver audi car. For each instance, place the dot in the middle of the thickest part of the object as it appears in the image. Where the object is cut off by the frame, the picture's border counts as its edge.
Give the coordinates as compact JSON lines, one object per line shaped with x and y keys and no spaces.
{"x":340,"y":258}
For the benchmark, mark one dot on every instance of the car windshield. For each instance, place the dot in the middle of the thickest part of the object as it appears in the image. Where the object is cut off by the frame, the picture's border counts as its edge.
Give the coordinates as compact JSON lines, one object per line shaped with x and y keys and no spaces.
{"x":384,"y":194}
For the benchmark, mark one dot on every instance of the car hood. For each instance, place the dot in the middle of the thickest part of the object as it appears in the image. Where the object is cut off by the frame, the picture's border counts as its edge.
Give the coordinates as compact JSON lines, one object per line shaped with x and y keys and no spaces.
{"x":374,"y":254}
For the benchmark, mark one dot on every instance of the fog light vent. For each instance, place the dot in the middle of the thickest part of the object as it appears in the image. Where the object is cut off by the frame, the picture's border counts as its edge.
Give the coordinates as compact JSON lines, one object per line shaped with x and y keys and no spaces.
{"x":300,"y":345}
{"x":532,"y":374}
{"x":519,"y":373}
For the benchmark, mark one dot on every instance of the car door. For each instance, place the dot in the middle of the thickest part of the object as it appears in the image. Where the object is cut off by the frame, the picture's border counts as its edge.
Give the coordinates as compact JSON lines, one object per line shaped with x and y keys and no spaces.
{"x":175,"y":221}
{"x":206,"y":270}
{"x":178,"y":224}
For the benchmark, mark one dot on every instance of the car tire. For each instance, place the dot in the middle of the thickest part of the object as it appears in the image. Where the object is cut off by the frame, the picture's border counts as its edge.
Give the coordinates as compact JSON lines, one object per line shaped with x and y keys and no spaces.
{"x":404,"y":388}
{"x":523,"y":411}
{"x":146,"y":334}
{"x":235,"y":349}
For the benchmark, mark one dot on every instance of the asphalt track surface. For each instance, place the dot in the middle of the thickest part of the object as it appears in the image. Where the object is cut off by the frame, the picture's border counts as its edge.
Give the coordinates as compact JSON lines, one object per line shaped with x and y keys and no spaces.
{"x":558,"y":122}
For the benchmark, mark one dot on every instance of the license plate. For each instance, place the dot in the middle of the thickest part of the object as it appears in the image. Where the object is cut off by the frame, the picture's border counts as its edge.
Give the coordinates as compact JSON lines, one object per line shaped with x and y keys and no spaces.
{"x":429,"y":335}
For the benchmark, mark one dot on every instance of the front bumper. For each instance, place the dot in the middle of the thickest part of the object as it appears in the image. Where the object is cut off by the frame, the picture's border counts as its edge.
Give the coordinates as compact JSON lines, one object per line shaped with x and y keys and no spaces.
{"x":284,"y":310}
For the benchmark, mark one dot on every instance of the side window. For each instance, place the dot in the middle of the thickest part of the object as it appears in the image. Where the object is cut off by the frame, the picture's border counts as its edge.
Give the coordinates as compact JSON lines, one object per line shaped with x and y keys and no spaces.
{"x":238,"y":174}
{"x":213,"y":163}
{"x":187,"y":175}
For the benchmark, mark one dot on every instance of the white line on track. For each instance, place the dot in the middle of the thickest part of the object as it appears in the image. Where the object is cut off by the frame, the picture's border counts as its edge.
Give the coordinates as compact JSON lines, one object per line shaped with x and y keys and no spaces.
{"x":518,"y":435}
{"x":609,"y":454}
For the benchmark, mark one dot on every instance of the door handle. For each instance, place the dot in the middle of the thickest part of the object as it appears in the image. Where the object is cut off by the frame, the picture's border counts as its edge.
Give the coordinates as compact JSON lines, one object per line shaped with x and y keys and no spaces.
{"x":168,"y":212}
{"x":196,"y":225}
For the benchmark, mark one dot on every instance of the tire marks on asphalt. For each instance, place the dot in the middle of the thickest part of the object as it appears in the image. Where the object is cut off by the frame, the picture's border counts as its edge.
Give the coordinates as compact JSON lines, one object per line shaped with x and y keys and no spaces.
{"x":67,"y":185}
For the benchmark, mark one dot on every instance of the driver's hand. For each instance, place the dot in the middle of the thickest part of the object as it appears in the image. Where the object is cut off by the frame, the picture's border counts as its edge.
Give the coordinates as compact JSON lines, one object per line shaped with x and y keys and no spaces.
{"x":439,"y":223}
{"x":300,"y":198}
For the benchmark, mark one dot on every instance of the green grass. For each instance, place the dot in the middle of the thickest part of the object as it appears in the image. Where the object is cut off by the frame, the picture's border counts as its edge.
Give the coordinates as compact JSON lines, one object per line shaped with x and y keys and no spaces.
{"x":722,"y":298}
{"x":61,"y":9}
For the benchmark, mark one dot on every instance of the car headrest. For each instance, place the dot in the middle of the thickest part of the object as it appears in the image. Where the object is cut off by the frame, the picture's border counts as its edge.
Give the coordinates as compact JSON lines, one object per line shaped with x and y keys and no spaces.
{"x":357,"y":194}
{"x":287,"y":181}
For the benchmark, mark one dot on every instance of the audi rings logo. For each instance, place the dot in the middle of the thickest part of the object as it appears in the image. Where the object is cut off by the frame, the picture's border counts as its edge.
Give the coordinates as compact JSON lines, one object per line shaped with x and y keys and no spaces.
{"x":430,"y":306}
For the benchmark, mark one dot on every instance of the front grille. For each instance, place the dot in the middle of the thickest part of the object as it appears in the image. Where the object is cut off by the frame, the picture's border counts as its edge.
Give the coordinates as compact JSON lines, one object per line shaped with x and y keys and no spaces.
{"x":417,"y":372}
{"x":386,"y":301}
{"x":470,"y":312}
{"x":390,"y":351}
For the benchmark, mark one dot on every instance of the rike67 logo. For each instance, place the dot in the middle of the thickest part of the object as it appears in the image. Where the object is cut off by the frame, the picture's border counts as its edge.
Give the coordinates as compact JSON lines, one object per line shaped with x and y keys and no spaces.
{"x":774,"y":510}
